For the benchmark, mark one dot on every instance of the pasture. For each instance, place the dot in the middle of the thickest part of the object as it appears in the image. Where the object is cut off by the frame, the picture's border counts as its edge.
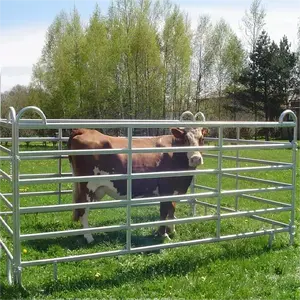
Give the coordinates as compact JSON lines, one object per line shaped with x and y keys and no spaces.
{"x":239,"y":269}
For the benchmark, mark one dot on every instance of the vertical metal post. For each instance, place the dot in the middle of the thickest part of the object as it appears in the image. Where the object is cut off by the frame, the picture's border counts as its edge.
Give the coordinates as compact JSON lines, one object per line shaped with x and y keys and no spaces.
{"x":193,"y":201}
{"x":294,"y":184}
{"x":59,"y":163}
{"x":129,"y":188}
{"x":219,"y":182}
{"x":8,"y":271}
{"x":238,"y":132}
{"x":16,"y":199}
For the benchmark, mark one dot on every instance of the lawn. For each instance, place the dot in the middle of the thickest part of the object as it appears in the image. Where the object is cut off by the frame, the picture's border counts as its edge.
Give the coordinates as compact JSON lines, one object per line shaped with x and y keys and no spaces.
{"x":237,"y":269}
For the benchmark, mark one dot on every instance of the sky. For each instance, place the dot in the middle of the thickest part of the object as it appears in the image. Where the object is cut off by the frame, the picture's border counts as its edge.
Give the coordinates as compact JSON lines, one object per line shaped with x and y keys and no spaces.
{"x":23,"y":25}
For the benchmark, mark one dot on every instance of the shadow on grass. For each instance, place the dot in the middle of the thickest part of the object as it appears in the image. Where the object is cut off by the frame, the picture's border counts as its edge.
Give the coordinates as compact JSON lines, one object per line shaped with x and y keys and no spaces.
{"x":117,"y":238}
{"x":169,"y":266}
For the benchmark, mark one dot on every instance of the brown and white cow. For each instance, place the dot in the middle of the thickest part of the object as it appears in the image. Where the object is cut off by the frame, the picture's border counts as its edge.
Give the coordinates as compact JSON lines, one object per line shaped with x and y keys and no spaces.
{"x":83,"y":165}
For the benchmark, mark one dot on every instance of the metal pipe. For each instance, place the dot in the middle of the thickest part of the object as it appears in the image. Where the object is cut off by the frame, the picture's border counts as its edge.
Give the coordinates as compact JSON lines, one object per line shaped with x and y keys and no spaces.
{"x":151,"y":247}
{"x":23,"y":154}
{"x":237,"y":164}
{"x":129,"y":189}
{"x":5,"y":175}
{"x":59,"y":164}
{"x":123,"y":203}
{"x":254,"y":179}
{"x":113,"y":228}
{"x":4,"y":149}
{"x":56,"y":124}
{"x":219,"y":182}
{"x":6,"y":250}
{"x":260,"y":199}
{"x":148,"y":175}
{"x":245,"y":159}
{"x":5,"y":200}
{"x":16,"y":199}
{"x":6,"y":226}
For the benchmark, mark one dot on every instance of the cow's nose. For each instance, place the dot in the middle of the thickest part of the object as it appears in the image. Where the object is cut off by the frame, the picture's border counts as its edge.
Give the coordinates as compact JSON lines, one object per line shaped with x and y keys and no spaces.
{"x":196,"y":160}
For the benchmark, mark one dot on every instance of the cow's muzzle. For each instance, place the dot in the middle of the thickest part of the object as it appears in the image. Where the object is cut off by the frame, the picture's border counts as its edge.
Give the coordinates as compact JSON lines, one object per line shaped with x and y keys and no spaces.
{"x":196,"y":160}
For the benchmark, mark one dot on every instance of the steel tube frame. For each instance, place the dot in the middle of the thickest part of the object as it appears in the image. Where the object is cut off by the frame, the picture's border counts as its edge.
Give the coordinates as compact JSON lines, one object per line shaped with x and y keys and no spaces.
{"x":16,"y":123}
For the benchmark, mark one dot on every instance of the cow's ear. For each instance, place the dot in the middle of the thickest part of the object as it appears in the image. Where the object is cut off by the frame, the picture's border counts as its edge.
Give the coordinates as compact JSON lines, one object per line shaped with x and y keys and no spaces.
{"x":204,"y":131}
{"x":178,"y":133}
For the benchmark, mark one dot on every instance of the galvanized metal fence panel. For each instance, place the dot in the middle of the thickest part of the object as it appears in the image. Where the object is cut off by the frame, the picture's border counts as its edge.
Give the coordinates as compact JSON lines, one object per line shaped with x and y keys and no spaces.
{"x":15,"y":156}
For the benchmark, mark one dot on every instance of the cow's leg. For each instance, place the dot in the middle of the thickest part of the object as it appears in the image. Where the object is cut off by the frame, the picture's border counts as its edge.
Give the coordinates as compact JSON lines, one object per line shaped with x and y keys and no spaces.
{"x":85,"y":224}
{"x":164,"y":211}
{"x":81,"y":214}
{"x":171,"y":216}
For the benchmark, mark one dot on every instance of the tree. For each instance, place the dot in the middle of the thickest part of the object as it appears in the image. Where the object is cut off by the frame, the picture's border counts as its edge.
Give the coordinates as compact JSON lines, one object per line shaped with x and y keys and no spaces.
{"x":177,"y":52}
{"x":203,"y":59}
{"x":253,"y":23}
{"x":228,"y":58}
{"x":268,"y":78}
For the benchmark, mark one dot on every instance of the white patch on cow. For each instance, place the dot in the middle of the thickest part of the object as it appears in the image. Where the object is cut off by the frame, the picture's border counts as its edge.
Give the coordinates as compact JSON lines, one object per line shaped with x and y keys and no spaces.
{"x":156,"y":192}
{"x":195,"y":158}
{"x":103,"y":186}
{"x":166,"y":236}
{"x":84,"y":222}
{"x":88,"y":198}
{"x":172,"y":226}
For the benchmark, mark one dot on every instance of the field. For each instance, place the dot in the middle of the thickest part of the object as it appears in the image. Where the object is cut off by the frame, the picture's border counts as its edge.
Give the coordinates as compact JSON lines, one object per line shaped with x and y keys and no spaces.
{"x":239,"y":269}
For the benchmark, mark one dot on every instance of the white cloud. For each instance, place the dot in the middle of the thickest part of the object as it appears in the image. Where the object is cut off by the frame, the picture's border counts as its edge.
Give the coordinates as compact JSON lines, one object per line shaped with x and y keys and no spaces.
{"x":20,"y":49}
{"x":280,"y":20}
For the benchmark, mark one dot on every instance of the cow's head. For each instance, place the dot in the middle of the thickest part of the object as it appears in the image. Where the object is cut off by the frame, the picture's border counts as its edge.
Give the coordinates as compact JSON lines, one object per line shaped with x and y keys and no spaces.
{"x":191,"y":137}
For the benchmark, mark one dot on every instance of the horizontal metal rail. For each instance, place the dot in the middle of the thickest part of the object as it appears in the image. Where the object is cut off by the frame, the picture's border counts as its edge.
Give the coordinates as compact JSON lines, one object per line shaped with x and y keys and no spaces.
{"x":241,"y":141}
{"x":123,"y":203}
{"x":5,"y":158}
{"x":65,"y":139}
{"x":254,"y":179}
{"x":6,"y":250}
{"x":247,"y":159}
{"x":6,"y":213}
{"x":134,"y":226}
{"x":254,"y":216}
{"x":134,"y":176}
{"x":41,"y":193}
{"x":267,"y":201}
{"x":204,"y":187}
{"x":152,"y":247}
{"x":23,"y":154}
{"x":61,"y":124}
{"x":6,"y":226}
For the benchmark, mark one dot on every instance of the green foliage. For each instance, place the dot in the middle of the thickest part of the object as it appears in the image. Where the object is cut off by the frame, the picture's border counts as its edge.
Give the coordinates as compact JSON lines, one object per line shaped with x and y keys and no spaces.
{"x":268,"y":78}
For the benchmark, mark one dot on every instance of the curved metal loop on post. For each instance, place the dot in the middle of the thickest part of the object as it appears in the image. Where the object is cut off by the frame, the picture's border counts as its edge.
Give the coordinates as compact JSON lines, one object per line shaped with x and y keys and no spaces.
{"x":11,"y":115}
{"x":201,"y":114}
{"x":187,"y":113}
{"x":35,"y":109}
{"x":287,"y":112}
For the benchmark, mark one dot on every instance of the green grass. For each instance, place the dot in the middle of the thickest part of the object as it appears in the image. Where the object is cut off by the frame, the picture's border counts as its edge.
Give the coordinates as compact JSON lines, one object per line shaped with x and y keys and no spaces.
{"x":238,"y":269}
